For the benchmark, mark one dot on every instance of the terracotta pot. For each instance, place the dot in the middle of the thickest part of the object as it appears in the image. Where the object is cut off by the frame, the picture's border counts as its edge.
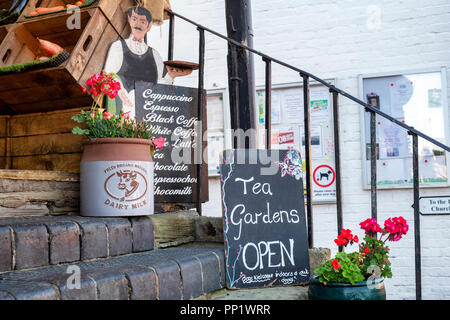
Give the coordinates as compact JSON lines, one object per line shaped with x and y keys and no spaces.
{"x":366,"y":290}
{"x":116,"y":178}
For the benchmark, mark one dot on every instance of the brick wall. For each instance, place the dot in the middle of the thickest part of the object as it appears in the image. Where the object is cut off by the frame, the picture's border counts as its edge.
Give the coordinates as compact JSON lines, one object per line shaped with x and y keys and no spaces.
{"x":340,"y":39}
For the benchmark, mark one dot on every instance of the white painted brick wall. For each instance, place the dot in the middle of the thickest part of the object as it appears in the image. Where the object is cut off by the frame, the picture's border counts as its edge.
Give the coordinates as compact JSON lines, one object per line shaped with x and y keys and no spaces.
{"x":331,"y":39}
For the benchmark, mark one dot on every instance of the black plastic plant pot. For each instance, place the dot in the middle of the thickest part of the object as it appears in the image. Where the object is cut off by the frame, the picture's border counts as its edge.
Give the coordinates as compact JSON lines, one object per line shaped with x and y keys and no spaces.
{"x":366,"y":290}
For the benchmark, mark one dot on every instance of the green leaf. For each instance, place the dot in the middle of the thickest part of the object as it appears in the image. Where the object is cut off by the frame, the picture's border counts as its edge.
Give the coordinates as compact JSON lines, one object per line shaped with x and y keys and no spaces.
{"x":78,"y":118}
{"x":80,"y":131}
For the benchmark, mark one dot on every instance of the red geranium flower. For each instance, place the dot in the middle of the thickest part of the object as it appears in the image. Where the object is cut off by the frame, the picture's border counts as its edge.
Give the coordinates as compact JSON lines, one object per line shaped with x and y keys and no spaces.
{"x":370,"y":226}
{"x":396,"y":228}
{"x":108,"y":115}
{"x":345,"y":238}
{"x":159,"y":142}
{"x":103,"y":84}
{"x":335,"y":264}
{"x":125,"y":115}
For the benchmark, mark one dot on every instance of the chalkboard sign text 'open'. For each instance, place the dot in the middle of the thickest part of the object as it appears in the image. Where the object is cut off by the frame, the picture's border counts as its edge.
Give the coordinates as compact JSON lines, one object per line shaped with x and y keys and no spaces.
{"x":264,"y":218}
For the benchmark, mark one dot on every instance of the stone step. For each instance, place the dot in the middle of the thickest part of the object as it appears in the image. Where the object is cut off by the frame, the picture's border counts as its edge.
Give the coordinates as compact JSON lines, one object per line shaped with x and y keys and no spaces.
{"x":276,"y":293}
{"x":31,"y":242}
{"x":167,"y":274}
{"x":40,"y":241}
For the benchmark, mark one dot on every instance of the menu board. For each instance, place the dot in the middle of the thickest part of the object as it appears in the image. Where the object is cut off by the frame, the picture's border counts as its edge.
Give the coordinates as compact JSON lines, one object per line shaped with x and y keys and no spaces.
{"x":172,"y":112}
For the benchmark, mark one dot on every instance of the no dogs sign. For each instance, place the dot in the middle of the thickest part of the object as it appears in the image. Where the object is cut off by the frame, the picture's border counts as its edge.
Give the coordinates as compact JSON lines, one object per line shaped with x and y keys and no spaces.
{"x":324,"y":176}
{"x":324,"y":186}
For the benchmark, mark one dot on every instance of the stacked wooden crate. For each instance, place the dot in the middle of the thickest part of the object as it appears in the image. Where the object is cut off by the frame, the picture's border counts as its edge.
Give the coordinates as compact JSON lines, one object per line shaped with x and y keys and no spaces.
{"x":4,"y":25}
{"x":10,"y":10}
{"x":40,"y":141}
{"x":36,"y":106}
{"x":59,"y":87}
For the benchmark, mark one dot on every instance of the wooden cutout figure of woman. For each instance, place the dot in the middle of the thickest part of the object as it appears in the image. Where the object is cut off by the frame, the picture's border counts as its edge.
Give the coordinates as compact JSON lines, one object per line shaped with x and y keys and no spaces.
{"x":133,"y":60}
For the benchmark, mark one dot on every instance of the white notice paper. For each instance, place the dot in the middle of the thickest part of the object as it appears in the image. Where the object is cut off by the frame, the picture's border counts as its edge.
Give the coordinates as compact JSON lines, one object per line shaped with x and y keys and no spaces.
{"x":316,"y":142}
{"x":401,"y":92}
{"x":276,"y":107}
{"x":393,"y":140}
{"x":292,"y":103}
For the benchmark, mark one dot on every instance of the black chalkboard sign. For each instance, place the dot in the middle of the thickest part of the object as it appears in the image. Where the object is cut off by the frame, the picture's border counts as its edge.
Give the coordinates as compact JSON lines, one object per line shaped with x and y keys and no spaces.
{"x":264,"y":218}
{"x":172,"y":112}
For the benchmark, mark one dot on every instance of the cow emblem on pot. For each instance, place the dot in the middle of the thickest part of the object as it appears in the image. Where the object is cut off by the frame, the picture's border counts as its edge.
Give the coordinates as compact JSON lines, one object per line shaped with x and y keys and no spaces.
{"x":127,"y":182}
{"x":126,"y":185}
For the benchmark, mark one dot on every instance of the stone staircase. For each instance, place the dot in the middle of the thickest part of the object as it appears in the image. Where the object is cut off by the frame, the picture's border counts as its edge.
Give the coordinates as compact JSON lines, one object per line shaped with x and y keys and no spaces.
{"x":173,"y":256}
{"x":169,"y":274}
{"x":115,"y":258}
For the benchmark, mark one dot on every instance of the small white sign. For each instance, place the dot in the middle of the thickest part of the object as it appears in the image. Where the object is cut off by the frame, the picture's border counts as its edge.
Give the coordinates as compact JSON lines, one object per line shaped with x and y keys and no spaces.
{"x":434,"y":205}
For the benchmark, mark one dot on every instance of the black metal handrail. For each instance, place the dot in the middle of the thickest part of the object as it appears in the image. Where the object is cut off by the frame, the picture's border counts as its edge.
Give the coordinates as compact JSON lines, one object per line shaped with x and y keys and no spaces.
{"x":306,"y":95}
{"x":309,"y":75}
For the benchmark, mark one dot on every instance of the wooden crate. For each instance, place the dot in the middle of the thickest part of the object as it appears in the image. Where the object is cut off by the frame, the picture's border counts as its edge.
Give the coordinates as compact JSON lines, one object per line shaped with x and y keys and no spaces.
{"x":11,"y":18}
{"x":107,"y":6}
{"x":40,"y":141}
{"x":3,"y":33}
{"x":39,"y":164}
{"x":4,"y":129}
{"x":4,"y":4}
{"x":33,"y":4}
{"x":59,"y":87}
{"x":38,"y":193}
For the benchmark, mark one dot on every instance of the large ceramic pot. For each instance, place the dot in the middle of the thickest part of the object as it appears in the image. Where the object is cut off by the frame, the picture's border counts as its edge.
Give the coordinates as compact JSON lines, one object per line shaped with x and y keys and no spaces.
{"x":372,"y":290}
{"x":116,"y":178}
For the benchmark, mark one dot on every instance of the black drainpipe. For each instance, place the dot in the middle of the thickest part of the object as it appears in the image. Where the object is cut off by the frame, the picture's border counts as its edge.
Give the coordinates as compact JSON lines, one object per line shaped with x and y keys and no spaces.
{"x":241,"y":69}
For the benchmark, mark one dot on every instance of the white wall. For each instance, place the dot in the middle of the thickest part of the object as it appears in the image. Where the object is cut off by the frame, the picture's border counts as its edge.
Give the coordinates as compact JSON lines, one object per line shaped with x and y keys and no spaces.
{"x":340,"y":39}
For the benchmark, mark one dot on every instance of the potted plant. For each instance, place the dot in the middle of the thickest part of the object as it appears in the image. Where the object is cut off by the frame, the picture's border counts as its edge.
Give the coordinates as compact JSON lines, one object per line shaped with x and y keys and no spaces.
{"x":116,"y":174}
{"x":359,"y":275}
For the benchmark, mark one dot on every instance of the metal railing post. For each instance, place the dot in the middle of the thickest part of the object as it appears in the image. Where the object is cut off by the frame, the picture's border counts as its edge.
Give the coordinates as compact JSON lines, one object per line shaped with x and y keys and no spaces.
{"x":337,"y":163}
{"x":417,"y":251}
{"x":234,"y":93}
{"x":373,"y":164}
{"x":268,"y":110}
{"x":171,"y":36}
{"x":201,"y":75}
{"x":307,"y":121}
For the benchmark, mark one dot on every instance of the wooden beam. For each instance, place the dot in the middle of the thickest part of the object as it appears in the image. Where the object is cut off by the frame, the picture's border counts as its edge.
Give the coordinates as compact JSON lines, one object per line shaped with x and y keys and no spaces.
{"x":39,"y":175}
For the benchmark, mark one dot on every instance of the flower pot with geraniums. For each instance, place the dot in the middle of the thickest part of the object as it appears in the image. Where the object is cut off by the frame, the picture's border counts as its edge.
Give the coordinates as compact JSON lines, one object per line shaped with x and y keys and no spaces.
{"x":359,"y":275}
{"x":116,"y":174}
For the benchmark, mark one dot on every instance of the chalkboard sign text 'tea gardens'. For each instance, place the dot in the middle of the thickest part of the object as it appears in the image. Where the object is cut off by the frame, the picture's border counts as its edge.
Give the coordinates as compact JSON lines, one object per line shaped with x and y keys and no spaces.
{"x":264,"y":218}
